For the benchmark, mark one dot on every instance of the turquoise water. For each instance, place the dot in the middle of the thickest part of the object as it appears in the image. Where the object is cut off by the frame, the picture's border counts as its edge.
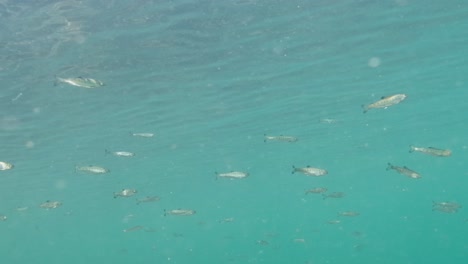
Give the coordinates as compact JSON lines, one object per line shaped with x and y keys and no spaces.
{"x":209,"y":79}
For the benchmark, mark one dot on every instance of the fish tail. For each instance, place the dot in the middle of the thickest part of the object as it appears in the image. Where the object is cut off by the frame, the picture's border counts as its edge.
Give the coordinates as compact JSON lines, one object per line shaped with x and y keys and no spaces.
{"x":324,"y":196}
{"x":294,"y":169}
{"x":412,"y":148}
{"x":107,"y":151}
{"x":390,"y":166}
{"x":364,"y":109}
{"x":165,"y":213}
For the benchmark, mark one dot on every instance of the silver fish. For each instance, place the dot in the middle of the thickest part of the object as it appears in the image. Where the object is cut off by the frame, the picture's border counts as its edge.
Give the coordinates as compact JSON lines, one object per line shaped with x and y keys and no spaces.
{"x":446,"y":204}
{"x":50,"y":204}
{"x":80,"y":82}
{"x":317,"y":190}
{"x":120,"y":153}
{"x":449,"y":210}
{"x":145,"y":135}
{"x":5,"y":165}
{"x":334,"y":195}
{"x":125,"y":193}
{"x":148,"y":199}
{"x":385,"y":102}
{"x":405,"y":171}
{"x":280,"y":138}
{"x":432,"y":151}
{"x":310,"y":171}
{"x":233,"y":174}
{"x":179,"y":212}
{"x":92,"y":169}
{"x":133,"y":229}
{"x":348,"y":213}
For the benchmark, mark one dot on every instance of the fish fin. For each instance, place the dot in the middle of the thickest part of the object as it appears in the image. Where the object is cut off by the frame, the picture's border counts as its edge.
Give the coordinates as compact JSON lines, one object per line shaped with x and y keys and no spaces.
{"x":411,"y":149}
{"x":364,"y":109}
{"x":324,"y":196}
{"x":107,"y":151}
{"x":383,"y":97}
{"x":390,"y":166}
{"x":56,"y":80}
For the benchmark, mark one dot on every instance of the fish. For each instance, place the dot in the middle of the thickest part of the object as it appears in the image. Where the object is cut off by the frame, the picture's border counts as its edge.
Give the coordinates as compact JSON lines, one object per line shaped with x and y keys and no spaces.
{"x":280,"y":138}
{"x":405,"y":171}
{"x":132,"y":229}
{"x":444,"y":209}
{"x":125,"y":193}
{"x":179,"y":212}
{"x":145,"y":135}
{"x":92,"y":169}
{"x":80,"y":82}
{"x":148,"y":199}
{"x":3,"y":217}
{"x":348,"y":213}
{"x":334,"y":222}
{"x":50,"y":204}
{"x":316,"y":190}
{"x":227,"y":220}
{"x":310,"y":171}
{"x":385,"y":102}
{"x":446,"y":204}
{"x":232,"y":174}
{"x":120,"y":153}
{"x":328,"y":121}
{"x":5,"y":165}
{"x":334,"y":195}
{"x":431,"y":151}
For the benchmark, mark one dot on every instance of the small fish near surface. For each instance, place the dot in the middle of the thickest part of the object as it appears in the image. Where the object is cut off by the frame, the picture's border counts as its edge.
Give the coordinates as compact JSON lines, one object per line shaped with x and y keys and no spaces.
{"x":120,"y":153}
{"x":310,"y":171}
{"x":317,"y":190}
{"x":50,"y":204}
{"x":3,"y":217}
{"x":92,"y":169}
{"x":446,"y":207}
{"x":335,"y":195}
{"x":5,"y":165}
{"x":125,"y":193}
{"x":148,"y":199}
{"x":385,"y":102}
{"x":404,"y":171}
{"x":80,"y":82}
{"x":179,"y":212}
{"x":431,"y":151}
{"x":280,"y":138}
{"x":232,"y":175}
{"x":143,"y":135}
{"x":349,"y":213}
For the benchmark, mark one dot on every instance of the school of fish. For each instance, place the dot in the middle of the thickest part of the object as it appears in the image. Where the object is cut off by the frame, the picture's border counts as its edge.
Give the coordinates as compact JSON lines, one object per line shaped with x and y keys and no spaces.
{"x":317,"y":172}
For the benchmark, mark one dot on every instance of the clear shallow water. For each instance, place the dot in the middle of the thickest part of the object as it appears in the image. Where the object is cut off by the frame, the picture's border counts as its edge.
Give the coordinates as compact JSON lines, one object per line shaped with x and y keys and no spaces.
{"x":210,"y":78}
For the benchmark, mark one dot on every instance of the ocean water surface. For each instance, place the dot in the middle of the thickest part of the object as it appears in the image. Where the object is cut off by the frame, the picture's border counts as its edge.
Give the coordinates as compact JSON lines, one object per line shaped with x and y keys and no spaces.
{"x":210,"y":79}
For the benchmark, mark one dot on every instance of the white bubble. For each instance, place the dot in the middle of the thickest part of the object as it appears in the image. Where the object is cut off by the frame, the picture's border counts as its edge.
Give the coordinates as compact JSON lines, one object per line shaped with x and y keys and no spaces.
{"x":374,"y":62}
